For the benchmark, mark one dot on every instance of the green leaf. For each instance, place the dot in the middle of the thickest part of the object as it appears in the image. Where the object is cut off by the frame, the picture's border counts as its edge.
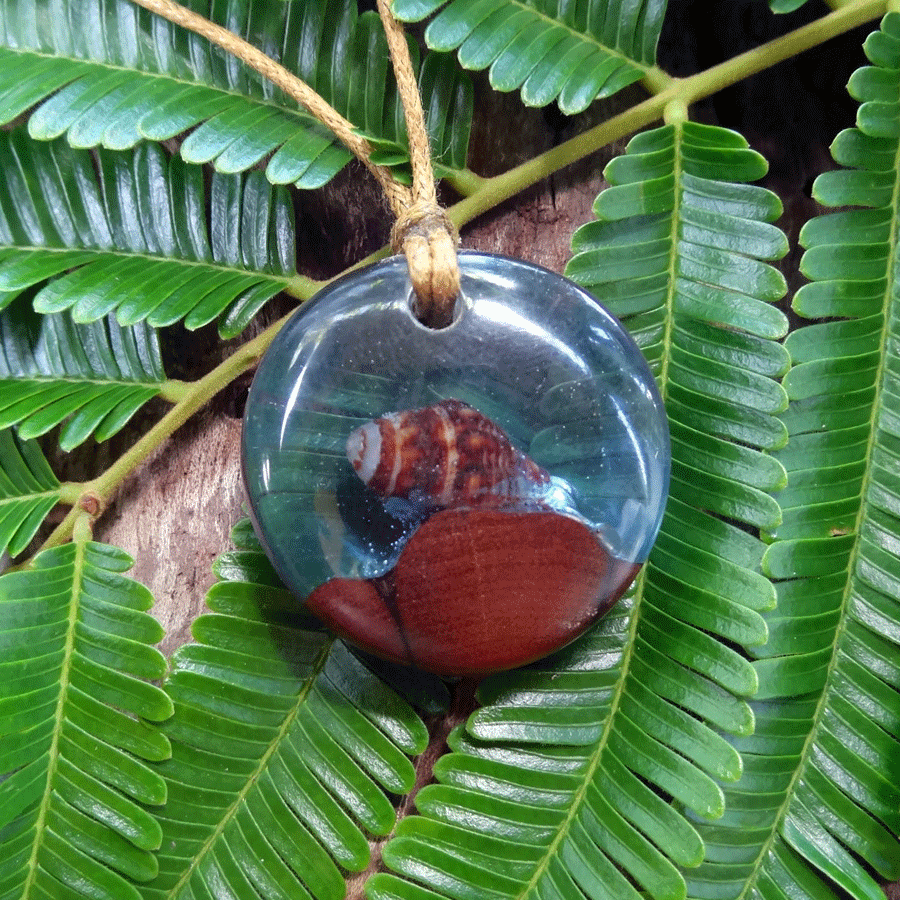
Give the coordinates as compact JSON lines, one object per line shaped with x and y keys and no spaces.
{"x":569,"y":771}
{"x":285,"y":748}
{"x":95,"y":375}
{"x":570,"y":53}
{"x":785,"y":6}
{"x":28,"y":491}
{"x":139,"y":235}
{"x":121,"y":75}
{"x":589,"y":772}
{"x":676,"y":254}
{"x":818,"y":811}
{"x":77,"y":661}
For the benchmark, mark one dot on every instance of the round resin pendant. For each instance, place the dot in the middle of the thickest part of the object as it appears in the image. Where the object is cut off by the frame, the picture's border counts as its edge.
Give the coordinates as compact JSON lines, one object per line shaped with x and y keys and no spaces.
{"x":461,"y":500}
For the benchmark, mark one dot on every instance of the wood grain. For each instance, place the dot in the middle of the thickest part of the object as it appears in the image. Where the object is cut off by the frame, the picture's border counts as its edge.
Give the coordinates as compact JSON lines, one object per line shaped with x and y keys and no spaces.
{"x":174,"y":516}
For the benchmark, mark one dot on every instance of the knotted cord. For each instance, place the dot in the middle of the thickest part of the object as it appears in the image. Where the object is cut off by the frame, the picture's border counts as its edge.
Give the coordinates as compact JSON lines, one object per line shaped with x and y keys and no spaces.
{"x":422,"y":230}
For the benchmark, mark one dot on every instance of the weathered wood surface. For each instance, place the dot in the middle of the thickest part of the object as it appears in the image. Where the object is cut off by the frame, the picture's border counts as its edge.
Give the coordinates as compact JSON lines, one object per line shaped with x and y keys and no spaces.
{"x":174,"y":517}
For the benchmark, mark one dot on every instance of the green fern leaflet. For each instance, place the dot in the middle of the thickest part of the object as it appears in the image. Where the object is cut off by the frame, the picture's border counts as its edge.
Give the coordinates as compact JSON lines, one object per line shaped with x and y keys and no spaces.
{"x":285,"y":749}
{"x":785,"y":6}
{"x":818,"y":810}
{"x":95,"y":375}
{"x":572,"y":53}
{"x":28,"y":491}
{"x":132,"y":235}
{"x":76,"y":662}
{"x":120,"y":75}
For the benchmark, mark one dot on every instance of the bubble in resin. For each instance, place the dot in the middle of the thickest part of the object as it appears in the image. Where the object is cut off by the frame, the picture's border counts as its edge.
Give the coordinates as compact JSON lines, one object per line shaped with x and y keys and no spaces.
{"x":462,"y":500}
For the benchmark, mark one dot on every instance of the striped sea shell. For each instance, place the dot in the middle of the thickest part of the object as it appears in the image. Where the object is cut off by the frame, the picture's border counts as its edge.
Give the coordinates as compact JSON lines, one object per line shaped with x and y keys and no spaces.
{"x":445,"y":455}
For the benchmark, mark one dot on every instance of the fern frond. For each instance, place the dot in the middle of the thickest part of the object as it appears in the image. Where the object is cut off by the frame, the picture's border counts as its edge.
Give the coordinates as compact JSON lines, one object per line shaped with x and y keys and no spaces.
{"x":826,"y":816}
{"x":76,"y":662}
{"x":28,"y":491}
{"x":285,"y":749}
{"x":676,"y":256}
{"x":560,"y":799}
{"x":587,"y":773}
{"x":96,"y":375}
{"x":133,"y":236}
{"x":120,"y":76}
{"x":571,"y":53}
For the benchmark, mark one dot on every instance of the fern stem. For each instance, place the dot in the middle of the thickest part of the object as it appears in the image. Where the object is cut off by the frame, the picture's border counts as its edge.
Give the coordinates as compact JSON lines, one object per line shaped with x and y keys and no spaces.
{"x":464,"y":181}
{"x":82,"y":528}
{"x":676,"y":113}
{"x":70,"y":492}
{"x":302,"y":287}
{"x":673,"y":112}
{"x":656,"y":80}
{"x":173,"y":390}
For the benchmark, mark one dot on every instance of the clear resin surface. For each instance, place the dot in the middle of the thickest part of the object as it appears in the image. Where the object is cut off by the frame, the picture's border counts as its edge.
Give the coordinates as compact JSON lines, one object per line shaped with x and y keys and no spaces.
{"x":461,"y":500}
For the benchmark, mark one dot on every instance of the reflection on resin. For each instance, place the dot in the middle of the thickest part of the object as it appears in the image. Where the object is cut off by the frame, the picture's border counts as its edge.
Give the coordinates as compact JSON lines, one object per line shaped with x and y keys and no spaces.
{"x":463,"y":500}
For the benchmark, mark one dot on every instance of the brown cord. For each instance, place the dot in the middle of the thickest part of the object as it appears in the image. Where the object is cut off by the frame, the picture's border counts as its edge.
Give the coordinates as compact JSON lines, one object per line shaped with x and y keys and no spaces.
{"x":422,"y":230}
{"x":428,"y":239}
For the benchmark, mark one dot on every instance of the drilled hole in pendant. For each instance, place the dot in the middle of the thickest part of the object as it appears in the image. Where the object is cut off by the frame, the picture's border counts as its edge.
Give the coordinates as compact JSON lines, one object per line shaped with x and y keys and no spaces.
{"x":437,"y":321}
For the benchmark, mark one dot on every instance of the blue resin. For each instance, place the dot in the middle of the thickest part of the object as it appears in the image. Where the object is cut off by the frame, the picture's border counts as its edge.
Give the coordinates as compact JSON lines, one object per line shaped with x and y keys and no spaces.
{"x":527,"y":348}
